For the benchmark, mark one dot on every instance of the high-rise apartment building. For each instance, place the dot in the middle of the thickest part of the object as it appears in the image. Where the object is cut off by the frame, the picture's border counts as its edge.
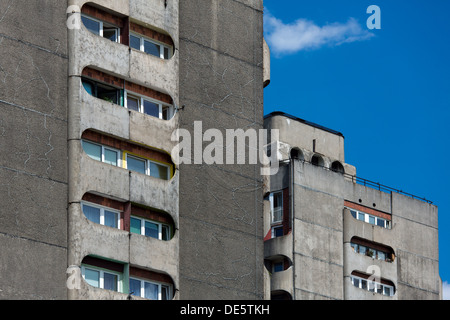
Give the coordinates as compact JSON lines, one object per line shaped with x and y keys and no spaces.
{"x":93,"y":98}
{"x":93,"y":205}
{"x":332,"y":235}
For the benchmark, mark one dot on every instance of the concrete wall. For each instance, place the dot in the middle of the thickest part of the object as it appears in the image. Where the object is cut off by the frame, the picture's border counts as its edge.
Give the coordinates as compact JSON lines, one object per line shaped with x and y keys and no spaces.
{"x":299,"y":134}
{"x":33,"y":161}
{"x":319,"y":246}
{"x":221,"y":84}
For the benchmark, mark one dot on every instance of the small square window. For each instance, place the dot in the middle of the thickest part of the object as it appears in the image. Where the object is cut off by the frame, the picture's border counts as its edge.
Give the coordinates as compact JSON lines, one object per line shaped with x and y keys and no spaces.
{"x":92,"y":25}
{"x":151,"y":108}
{"x":278,"y":266}
{"x":93,"y":150}
{"x":92,"y":277}
{"x":136,"y":164}
{"x":133,"y":103}
{"x":135,"y":225}
{"x":159,"y":171}
{"x":135,"y":42}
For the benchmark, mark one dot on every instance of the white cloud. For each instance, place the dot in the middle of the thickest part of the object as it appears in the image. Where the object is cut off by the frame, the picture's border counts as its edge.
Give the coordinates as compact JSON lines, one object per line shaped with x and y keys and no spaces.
{"x":306,"y":35}
{"x":446,"y":290}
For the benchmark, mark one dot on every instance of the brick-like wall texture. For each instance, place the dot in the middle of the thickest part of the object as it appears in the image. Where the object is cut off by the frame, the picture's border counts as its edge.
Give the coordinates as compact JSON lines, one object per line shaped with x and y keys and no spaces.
{"x":33,"y":149}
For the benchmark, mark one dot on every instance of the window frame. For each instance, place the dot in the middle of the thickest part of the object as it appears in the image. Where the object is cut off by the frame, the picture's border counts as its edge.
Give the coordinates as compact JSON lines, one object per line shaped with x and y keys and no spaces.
{"x":147,"y":165}
{"x":102,"y":271}
{"x":279,"y":208}
{"x":142,"y":98}
{"x":356,"y":249}
{"x":159,"y":284}
{"x":372,"y":286}
{"x":102,"y":27}
{"x":102,"y":212}
{"x":160,"y":228}
{"x":162,"y":45}
{"x":356,"y":213}
{"x":103,"y":148}
{"x":120,"y":95}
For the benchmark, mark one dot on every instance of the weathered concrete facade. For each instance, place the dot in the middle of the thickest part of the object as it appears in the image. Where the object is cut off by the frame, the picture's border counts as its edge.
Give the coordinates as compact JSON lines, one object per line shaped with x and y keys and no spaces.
{"x":221,"y":85}
{"x":86,"y":175}
{"x":33,"y":157}
{"x":323,"y":234}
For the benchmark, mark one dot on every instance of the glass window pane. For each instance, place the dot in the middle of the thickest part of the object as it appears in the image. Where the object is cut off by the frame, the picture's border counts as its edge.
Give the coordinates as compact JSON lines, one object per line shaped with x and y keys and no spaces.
{"x":380,"y":222}
{"x":109,"y":281}
{"x":111,"y":219}
{"x":278,"y":266}
{"x":152,"y":48}
{"x":151,"y":230}
{"x":110,"y":33}
{"x":135,"y":42}
{"x":387,"y":291}
{"x":165,"y":293}
{"x":353,"y":212}
{"x":278,"y":232}
{"x":92,"y":277}
{"x":371,"y":220}
{"x":381,"y":255}
{"x":111,"y":157}
{"x":135,"y":164}
{"x":166,"y":53}
{"x":150,"y":291}
{"x":361,"y":216}
{"x":91,"y":25}
{"x":92,"y":213}
{"x":362,"y":249}
{"x":108,"y":93}
{"x":135,"y":287}
{"x":151,"y":108}
{"x":135,"y":225}
{"x":165,"y":232}
{"x":132,"y":103}
{"x":88,"y":87}
{"x":93,"y":150}
{"x":356,"y":282}
{"x":363,"y":284}
{"x":159,"y":171}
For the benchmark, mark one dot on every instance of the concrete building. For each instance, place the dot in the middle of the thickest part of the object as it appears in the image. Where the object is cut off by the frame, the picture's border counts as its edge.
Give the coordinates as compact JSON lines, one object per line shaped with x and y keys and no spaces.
{"x":332,"y":235}
{"x":92,"y":204}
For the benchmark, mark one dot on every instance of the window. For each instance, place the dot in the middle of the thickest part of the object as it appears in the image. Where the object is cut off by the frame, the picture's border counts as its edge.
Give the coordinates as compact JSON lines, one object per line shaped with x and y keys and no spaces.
{"x":368,"y":218}
{"x":149,"y":228}
{"x":150,"y":46}
{"x":101,"y":153}
{"x":370,"y":252}
{"x":101,"y":215}
{"x":148,"y":167}
{"x":103,"y":91}
{"x":149,"y":290}
{"x":278,"y":266}
{"x":148,"y":106}
{"x":101,"y":278}
{"x":372,"y":286}
{"x":276,"y":206}
{"x":103,"y":29}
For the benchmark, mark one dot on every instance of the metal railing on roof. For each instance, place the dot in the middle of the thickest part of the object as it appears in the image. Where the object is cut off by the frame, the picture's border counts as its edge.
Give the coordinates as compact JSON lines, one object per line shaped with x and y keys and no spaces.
{"x":372,"y":184}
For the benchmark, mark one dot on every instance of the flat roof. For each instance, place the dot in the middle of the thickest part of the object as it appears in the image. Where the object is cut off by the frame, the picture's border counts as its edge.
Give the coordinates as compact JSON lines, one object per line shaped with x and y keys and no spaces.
{"x":312,"y":124}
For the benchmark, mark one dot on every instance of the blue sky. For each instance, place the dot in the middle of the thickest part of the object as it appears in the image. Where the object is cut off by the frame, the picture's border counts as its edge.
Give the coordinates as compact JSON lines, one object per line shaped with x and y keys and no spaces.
{"x":387,"y":90}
